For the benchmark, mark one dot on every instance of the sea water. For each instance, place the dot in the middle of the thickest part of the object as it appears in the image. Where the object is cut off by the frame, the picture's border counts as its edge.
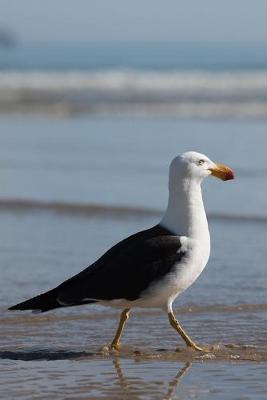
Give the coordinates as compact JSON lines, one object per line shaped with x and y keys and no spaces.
{"x":70,"y":188}
{"x":121,"y":165}
{"x":185,"y":80}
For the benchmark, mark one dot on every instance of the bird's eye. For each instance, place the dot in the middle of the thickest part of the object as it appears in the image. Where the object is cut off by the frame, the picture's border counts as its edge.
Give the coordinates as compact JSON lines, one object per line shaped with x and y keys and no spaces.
{"x":201,"y":162}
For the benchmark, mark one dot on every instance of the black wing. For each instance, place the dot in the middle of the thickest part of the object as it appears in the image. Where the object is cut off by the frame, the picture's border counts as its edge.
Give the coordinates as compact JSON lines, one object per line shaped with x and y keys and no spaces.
{"x":127,"y":269}
{"x":123,"y":272}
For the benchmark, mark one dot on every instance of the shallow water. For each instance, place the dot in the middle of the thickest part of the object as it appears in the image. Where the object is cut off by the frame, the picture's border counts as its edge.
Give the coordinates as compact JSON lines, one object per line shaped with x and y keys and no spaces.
{"x":40,"y":249}
{"x":62,"y":353}
{"x":124,"y":161}
{"x":132,"y":379}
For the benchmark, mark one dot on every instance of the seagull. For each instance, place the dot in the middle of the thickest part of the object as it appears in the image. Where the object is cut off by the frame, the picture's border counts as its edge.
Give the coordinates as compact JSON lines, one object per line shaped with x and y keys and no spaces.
{"x":148,"y":269}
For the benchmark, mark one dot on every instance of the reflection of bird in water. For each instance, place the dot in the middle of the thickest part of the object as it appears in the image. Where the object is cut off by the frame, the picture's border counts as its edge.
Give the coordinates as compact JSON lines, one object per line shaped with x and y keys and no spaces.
{"x":150,"y":268}
{"x":128,"y":389}
{"x":176,"y":381}
{"x":123,"y":381}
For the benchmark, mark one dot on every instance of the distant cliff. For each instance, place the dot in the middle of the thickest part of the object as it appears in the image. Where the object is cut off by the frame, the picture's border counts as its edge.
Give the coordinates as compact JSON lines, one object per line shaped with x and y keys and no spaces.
{"x":7,"y":38}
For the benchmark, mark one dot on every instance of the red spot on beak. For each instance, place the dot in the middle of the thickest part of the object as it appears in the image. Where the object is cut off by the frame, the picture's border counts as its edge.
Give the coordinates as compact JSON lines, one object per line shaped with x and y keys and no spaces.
{"x":223,"y":172}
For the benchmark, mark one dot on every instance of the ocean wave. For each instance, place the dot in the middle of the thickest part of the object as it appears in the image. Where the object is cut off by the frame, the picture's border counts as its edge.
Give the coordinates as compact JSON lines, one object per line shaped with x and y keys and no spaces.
{"x":219,"y":83}
{"x":105,"y":210}
{"x":186,"y":94}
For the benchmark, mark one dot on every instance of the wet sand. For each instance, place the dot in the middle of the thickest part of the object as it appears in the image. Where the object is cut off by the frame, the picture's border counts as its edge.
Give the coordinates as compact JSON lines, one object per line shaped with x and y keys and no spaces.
{"x":66,"y":356}
{"x":22,"y":329}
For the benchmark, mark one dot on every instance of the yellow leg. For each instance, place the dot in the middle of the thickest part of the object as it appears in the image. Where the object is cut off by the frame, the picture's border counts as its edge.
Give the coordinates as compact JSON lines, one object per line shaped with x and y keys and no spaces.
{"x":175,"y":324}
{"x":124,"y":316}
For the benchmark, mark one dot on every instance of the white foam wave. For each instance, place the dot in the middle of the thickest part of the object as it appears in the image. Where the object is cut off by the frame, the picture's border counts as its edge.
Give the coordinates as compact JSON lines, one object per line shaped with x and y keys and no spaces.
{"x":203,"y":93}
{"x":190,"y":82}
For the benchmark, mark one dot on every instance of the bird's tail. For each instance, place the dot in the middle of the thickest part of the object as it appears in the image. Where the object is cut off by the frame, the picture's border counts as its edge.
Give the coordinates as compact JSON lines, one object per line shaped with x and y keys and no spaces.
{"x":45,"y":302}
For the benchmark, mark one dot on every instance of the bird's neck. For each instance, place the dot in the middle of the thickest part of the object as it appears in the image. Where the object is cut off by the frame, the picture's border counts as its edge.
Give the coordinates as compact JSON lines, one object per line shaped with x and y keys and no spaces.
{"x":185,"y":214}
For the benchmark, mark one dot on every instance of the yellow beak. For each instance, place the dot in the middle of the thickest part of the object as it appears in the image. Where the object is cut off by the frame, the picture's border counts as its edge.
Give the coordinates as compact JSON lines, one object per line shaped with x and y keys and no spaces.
{"x":222,"y":172}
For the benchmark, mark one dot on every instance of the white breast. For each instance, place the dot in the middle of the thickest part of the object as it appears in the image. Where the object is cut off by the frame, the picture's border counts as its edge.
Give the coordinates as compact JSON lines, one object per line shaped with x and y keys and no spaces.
{"x":163,"y":293}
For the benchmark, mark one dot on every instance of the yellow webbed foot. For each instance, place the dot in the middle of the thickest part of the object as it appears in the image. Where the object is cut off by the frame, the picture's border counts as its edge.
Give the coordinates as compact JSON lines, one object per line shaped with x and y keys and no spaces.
{"x":197,"y":347}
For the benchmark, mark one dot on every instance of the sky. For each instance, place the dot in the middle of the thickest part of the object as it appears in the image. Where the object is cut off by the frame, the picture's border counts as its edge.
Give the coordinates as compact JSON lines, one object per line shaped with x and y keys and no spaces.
{"x":135,"y":20}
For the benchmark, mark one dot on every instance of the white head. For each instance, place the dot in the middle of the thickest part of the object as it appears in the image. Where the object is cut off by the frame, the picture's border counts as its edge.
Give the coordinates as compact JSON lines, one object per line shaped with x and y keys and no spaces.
{"x":196,"y":166}
{"x":185,"y":213}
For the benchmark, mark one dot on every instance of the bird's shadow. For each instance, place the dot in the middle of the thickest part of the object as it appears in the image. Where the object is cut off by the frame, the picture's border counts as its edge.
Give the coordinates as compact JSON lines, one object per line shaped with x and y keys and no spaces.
{"x":43,"y":355}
